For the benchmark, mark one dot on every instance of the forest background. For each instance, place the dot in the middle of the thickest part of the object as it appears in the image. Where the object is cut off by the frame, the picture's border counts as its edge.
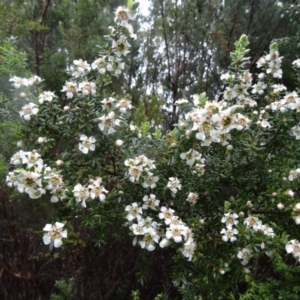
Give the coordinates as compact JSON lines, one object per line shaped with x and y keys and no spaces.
{"x":182,"y":48}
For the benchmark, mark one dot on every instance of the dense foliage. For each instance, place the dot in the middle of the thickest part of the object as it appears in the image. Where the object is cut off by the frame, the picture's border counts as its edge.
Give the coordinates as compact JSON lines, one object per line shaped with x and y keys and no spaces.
{"x":128,"y":207}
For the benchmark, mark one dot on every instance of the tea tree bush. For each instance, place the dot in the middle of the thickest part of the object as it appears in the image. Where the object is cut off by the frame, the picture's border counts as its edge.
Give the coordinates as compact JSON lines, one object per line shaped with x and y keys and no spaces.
{"x":220,"y":190}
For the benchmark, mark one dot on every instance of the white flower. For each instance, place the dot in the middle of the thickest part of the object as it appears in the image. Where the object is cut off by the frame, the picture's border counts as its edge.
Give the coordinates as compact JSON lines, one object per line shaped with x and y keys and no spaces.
{"x":174,"y":185}
{"x":97,"y":191}
{"x":87,"y":88}
{"x":54,"y":234}
{"x":228,"y":234}
{"x":80,"y":67}
{"x":139,"y":229}
{"x":253,"y":222}
{"x":166,"y":214}
{"x":295,"y":131}
{"x":176,"y":232}
{"x":151,"y":202}
{"x":115,"y":65}
{"x":70,"y":88}
{"x":18,"y":82}
{"x":245,"y":254}
{"x":87,"y":144}
{"x":81,"y":194}
{"x":108,"y":123}
{"x":192,"y":198}
{"x":133,"y":212}
{"x":28,"y":110}
{"x":296,"y":63}
{"x":230,"y":219}
{"x":135,"y":172}
{"x":58,"y":194}
{"x":264,"y":123}
{"x":149,"y":240}
{"x":189,"y":248}
{"x":181,"y":102}
{"x":119,"y":143}
{"x":122,"y":14}
{"x":191,"y":156}
{"x":150,"y":181}
{"x":123,"y":105}
{"x":42,"y":140}
{"x":100,"y":65}
{"x":293,"y":247}
{"x":121,"y":46}
{"x":34,"y":80}
{"x":46,"y":97}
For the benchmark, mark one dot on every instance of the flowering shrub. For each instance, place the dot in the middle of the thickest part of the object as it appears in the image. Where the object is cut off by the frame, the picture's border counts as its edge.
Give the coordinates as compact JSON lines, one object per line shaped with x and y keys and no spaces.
{"x":220,"y":189}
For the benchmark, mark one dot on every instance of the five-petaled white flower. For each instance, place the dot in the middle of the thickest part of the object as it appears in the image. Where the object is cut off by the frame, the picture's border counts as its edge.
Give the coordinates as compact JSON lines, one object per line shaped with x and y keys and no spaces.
{"x":28,"y":110}
{"x":174,"y":185}
{"x":229,"y":234}
{"x":46,"y":96}
{"x":87,"y":144}
{"x":54,"y":234}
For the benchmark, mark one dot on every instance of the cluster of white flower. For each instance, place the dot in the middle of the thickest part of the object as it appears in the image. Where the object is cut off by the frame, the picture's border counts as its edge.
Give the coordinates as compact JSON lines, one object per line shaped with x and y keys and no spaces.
{"x":294,"y":174}
{"x":80,"y":68}
{"x":290,"y":101}
{"x":239,"y":86}
{"x":257,"y":225}
{"x":34,"y":178}
{"x":213,"y":122}
{"x":91,"y":191}
{"x":54,"y":234}
{"x":18,"y":81}
{"x":141,"y":166}
{"x":112,"y":62}
{"x":230,"y":219}
{"x":113,"y":107}
{"x":271,"y":63}
{"x":153,"y":232}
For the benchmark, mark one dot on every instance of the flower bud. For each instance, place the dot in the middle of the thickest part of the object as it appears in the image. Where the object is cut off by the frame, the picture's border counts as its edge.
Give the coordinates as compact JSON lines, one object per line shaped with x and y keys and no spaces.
{"x":249,"y":204}
{"x":289,"y":193}
{"x":182,"y":125}
{"x":20,"y":143}
{"x":221,"y":271}
{"x":241,"y":214}
{"x":280,"y":206}
{"x":174,"y":145}
{"x":188,"y":133}
{"x":66,"y":108}
{"x":119,"y":143}
{"x":42,"y":140}
{"x":91,"y":180}
{"x":274,"y":194}
{"x":202,"y":221}
{"x":23,"y":95}
{"x":59,"y":162}
{"x":121,"y":193}
{"x":229,"y":147}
